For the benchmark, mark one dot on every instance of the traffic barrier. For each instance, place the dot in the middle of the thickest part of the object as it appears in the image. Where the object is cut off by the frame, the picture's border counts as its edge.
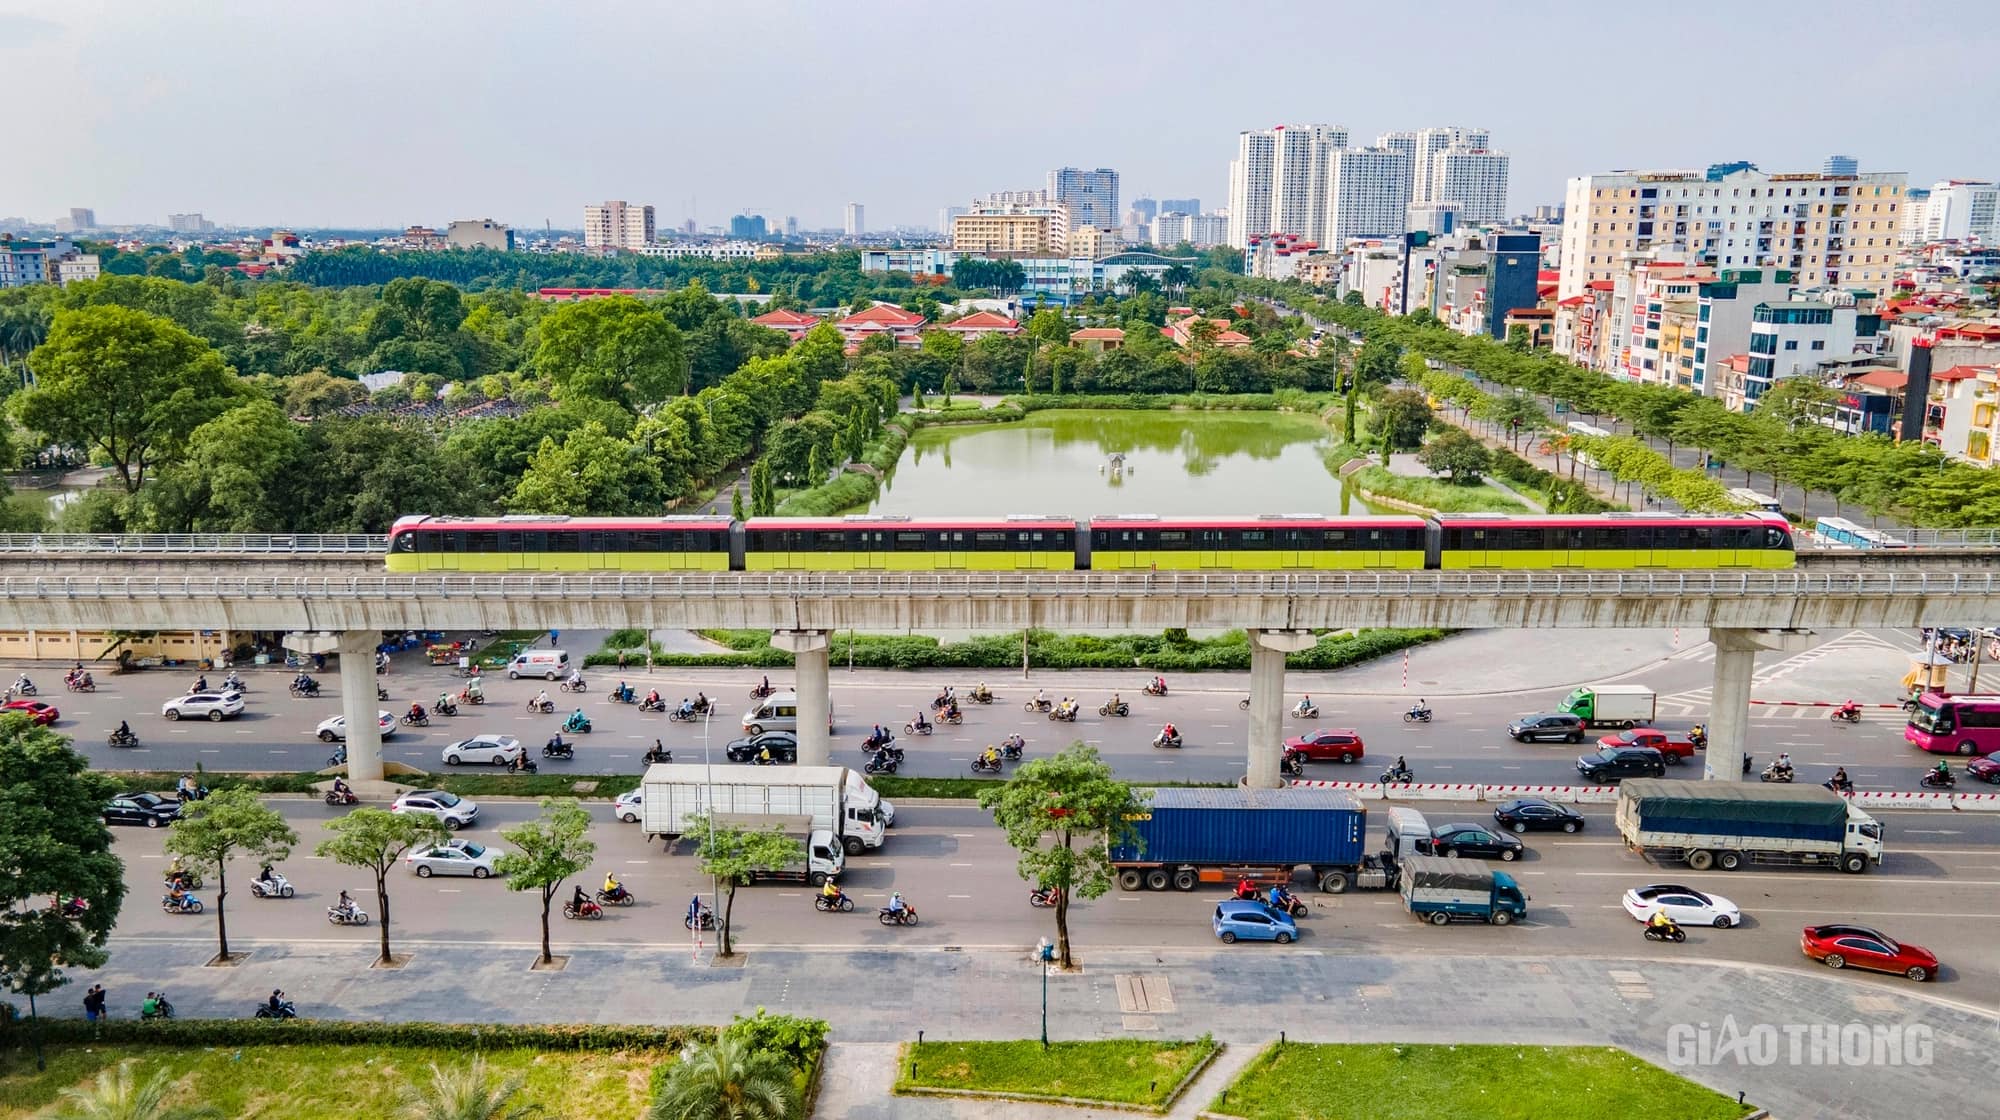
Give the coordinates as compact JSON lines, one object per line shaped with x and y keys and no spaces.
{"x":1817,"y":704}
{"x":1435,"y":791}
{"x":1608,"y":795}
{"x":1361,"y":790}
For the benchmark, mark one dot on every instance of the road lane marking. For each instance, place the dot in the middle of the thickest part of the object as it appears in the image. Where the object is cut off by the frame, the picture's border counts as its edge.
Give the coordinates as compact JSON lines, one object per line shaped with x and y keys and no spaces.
{"x":961,"y":865}
{"x":958,"y":896}
{"x":962,"y":835}
{"x":210,"y":750}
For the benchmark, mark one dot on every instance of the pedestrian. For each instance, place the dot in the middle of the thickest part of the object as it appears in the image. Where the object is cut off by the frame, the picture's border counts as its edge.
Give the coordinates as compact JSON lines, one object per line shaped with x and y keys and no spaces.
{"x":93,"y":1003}
{"x":319,"y":663}
{"x":621,"y":660}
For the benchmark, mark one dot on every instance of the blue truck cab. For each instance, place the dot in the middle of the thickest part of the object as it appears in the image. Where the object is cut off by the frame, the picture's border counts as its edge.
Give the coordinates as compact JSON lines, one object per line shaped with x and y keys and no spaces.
{"x":1441,"y":888}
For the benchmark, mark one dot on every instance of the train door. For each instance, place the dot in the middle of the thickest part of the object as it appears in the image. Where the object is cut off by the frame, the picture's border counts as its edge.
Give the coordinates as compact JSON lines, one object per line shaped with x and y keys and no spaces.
{"x":523,"y":550}
{"x":597,"y":554}
{"x":948,"y":553}
{"x":1212,"y":549}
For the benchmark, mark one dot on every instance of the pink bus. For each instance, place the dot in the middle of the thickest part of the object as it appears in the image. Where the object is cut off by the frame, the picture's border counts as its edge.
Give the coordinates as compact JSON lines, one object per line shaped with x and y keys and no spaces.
{"x":1944,"y":724}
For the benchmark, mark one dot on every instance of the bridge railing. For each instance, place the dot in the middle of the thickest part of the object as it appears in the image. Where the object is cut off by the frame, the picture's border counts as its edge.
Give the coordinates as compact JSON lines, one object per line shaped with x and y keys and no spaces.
{"x":188,"y":544}
{"x":909,"y":585}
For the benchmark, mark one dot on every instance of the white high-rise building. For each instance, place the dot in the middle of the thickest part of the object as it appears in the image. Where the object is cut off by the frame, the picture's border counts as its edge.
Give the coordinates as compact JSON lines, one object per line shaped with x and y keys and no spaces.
{"x":1250,"y":185}
{"x":1474,"y":180}
{"x":856,"y":223}
{"x":1431,"y":141}
{"x":1367,"y":195}
{"x":1916,"y":202}
{"x":1961,"y":210}
{"x":1277,"y":183}
{"x":1399,"y":142}
{"x":1092,"y":196}
{"x":945,"y":215}
{"x":617,"y":225}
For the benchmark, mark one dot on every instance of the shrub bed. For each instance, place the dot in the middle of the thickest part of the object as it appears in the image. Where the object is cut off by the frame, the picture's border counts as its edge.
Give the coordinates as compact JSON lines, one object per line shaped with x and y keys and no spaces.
{"x":341,"y":1032}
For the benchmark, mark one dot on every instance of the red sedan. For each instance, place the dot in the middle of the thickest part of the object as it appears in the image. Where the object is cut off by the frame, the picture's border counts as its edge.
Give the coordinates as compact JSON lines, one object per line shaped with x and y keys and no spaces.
{"x":1840,"y":946}
{"x":1327,"y":744}
{"x":41,"y":712}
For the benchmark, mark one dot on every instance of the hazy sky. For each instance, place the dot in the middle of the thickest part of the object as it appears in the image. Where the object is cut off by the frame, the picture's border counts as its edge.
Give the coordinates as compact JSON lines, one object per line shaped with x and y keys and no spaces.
{"x":365,"y":112}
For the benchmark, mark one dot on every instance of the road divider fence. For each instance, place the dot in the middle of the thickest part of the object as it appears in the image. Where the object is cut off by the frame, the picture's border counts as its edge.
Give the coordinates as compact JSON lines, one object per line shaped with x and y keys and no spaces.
{"x":1607,"y":795}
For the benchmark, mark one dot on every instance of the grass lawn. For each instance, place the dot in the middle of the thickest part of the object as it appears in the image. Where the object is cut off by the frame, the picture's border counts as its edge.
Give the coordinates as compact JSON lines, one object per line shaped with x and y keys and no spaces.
{"x":1437,"y":493}
{"x":1393,"y":1082}
{"x":1127,"y":1071}
{"x":308,"y":1082}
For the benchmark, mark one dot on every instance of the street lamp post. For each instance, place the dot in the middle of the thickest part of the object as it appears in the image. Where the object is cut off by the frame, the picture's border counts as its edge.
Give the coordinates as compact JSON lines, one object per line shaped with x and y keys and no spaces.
{"x":1045,"y":952}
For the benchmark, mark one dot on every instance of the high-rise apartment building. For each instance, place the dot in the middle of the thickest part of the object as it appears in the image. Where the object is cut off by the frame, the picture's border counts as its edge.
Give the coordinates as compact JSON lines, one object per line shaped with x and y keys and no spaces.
{"x":1840,"y":165}
{"x":1148,"y":208}
{"x":1092,"y":196}
{"x":1916,"y":205}
{"x":1472,"y":179}
{"x":479,"y":233}
{"x":1277,"y":183}
{"x":189,"y":223}
{"x":856,"y":222}
{"x":1038,"y":227}
{"x":1367,"y":195}
{"x":1399,"y":142}
{"x":1250,"y":185}
{"x":1838,"y":231}
{"x":1961,"y":210}
{"x":617,"y":225}
{"x":1427,"y":143}
{"x":1184,"y":205}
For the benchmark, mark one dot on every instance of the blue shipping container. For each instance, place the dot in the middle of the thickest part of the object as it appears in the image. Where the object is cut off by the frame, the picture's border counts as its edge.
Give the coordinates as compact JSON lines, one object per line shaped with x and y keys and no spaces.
{"x":1262,"y":827}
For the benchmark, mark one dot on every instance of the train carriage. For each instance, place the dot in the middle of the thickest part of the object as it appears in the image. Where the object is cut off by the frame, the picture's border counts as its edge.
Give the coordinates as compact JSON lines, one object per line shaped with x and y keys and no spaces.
{"x":1276,"y":542}
{"x":905,"y":544}
{"x":548,"y":543}
{"x":1614,"y":541}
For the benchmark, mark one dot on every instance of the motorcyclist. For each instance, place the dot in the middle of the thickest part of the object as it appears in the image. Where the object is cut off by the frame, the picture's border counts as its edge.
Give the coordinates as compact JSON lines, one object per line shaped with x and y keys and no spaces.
{"x":687,"y":708}
{"x":1169,"y":733}
{"x":200,"y":683}
{"x":340,"y":788}
{"x":764,"y":755}
{"x":556,"y":743}
{"x":150,"y":1006}
{"x":695,"y":907}
{"x":185,"y":788}
{"x":613,"y":889}
{"x":1041,"y":697}
{"x":1279,"y":898}
{"x":542,"y":699}
{"x":579,"y":901}
{"x":624,"y":692}
{"x":920,"y":723}
{"x":1013,"y":743}
{"x":445,"y":703}
{"x":1116,"y":703}
{"x":1401,"y":767}
{"x":830,"y":890}
{"x":575,"y":677}
{"x":266,"y":876}
{"x":277,"y":1001}
{"x":1698,"y":735}
{"x":1420,"y":707}
{"x":344,"y":904}
{"x":416,"y":713}
{"x":1160,"y":685}
{"x":990,"y":756}
{"x":1942,"y":770}
{"x":896,"y":903}
{"x":1245,"y":888}
{"x":1660,"y":921}
{"x":701,"y":703}
{"x":1841,"y":783}
{"x":653,"y":698}
{"x":1304,"y":705}
{"x":576,"y":719}
{"x":979,"y":692}
{"x":950,"y":706}
{"x":764,"y":688}
{"x":1783,"y":764}
{"x":124,"y":730}
{"x":177,"y":875}
{"x":1848,"y":710}
{"x":177,"y":894}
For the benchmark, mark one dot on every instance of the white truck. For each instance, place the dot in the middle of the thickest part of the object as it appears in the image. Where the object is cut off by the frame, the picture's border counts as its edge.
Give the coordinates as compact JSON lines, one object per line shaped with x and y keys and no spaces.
{"x":823,"y":858}
{"x":1613,"y":705}
{"x":1727,"y":825}
{"x":834,"y":797}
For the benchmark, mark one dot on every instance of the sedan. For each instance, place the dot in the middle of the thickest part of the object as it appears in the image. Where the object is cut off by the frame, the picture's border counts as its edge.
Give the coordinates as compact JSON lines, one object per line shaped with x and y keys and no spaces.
{"x":1685,"y":905}
{"x":1840,"y":946}
{"x":211,"y":706}
{"x":149,"y":809}
{"x":1986,"y":769}
{"x":41,"y":711}
{"x":1524,"y":813}
{"x":1470,"y":840}
{"x":335,"y":729}
{"x":1245,"y":920}
{"x":1334,"y":744}
{"x":456,"y":857}
{"x":784,"y":747}
{"x":496,"y":750}
{"x":626,"y":808}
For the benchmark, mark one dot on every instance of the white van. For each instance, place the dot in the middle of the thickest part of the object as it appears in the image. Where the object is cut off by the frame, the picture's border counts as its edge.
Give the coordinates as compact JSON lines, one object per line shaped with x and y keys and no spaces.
{"x":778,"y":712}
{"x":549,"y":664}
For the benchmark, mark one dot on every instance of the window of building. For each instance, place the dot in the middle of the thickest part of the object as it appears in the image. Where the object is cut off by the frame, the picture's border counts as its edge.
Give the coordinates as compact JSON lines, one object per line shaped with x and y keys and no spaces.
{"x":1791,"y":344}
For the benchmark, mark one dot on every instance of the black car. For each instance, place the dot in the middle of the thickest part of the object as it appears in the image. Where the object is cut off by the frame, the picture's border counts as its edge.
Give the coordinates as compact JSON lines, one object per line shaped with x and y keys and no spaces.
{"x":1544,"y":726}
{"x":784,"y":747}
{"x":1464,"y":839}
{"x":1524,"y":813}
{"x":1613,"y":763}
{"x":149,"y":809}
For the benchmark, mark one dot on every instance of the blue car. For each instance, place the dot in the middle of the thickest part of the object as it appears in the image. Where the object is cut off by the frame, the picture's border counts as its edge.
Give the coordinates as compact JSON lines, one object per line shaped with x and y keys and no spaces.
{"x":1253,"y":921}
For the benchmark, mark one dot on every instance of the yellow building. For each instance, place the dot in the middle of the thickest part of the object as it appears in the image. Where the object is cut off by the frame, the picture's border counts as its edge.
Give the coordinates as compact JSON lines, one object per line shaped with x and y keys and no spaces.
{"x":1006,"y":234}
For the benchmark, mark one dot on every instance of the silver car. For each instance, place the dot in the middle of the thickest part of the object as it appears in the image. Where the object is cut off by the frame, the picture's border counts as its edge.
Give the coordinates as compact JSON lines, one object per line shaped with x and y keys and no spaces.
{"x":498,"y":750}
{"x":456,"y":857}
{"x":456,"y":812}
{"x":212,"y":706}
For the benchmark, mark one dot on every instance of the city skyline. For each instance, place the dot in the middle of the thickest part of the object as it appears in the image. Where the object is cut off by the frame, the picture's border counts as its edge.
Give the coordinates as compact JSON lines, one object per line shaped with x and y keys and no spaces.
{"x":144,"y":128}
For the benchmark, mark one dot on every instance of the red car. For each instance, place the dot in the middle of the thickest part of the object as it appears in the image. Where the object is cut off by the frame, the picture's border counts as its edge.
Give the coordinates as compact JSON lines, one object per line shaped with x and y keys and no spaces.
{"x":1327,"y":744}
{"x":42,"y":712}
{"x":1986,"y":769}
{"x":1840,"y":946}
{"x":1675,"y":752}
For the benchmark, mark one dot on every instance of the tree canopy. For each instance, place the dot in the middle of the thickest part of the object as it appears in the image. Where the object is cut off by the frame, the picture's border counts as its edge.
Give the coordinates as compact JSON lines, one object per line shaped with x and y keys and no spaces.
{"x":54,"y":844}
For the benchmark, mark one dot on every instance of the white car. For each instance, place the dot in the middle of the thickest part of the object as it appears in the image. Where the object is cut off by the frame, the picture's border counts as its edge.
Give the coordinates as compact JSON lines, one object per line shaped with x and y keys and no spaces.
{"x":456,"y":812}
{"x":496,"y":750}
{"x":627,"y":807}
{"x":455,"y":857}
{"x":212,"y":706}
{"x":335,"y":729}
{"x":1685,"y":905}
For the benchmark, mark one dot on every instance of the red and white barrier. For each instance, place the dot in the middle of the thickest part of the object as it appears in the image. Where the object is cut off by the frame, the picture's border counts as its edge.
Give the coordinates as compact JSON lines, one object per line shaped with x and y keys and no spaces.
{"x":1607,"y":795}
{"x":1817,"y":704}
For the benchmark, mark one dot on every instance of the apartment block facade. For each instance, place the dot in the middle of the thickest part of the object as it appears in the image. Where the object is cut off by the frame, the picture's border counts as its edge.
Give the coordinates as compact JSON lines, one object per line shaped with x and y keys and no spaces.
{"x":1092,"y":196}
{"x":617,"y":225}
{"x":1367,"y":194}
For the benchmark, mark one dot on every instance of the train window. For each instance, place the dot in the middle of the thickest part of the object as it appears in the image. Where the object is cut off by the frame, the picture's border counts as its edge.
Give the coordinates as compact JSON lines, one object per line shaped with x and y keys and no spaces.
{"x":1173,"y":537}
{"x":834,"y":540}
{"x":1606,"y":537}
{"x":958,"y":538}
{"x":911,"y":541}
{"x":1254,"y":536}
{"x":1775,"y":538}
{"x":565,"y":542}
{"x":406,"y":542}
{"x":652,"y":540}
{"x":1335,"y":538}
{"x":482,"y":541}
{"x":990,"y":542}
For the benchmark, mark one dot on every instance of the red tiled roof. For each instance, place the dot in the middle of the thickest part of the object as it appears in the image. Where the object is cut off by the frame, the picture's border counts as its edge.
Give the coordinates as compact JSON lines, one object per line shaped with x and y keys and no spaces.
{"x":1105,"y":334}
{"x":983,"y":321}
{"x":1739,"y":363}
{"x":1572,"y":301}
{"x":1881,"y":379}
{"x":1548,"y":276}
{"x":885,"y":314}
{"x":1960,"y":373}
{"x":1600,"y":285}
{"x":1231,"y":338}
{"x":782,"y":318}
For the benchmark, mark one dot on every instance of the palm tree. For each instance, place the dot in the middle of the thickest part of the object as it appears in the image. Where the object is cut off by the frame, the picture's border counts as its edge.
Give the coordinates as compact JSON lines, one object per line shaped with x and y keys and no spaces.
{"x":469,"y":1093}
{"x":116,"y":1096}
{"x":727,"y":1080}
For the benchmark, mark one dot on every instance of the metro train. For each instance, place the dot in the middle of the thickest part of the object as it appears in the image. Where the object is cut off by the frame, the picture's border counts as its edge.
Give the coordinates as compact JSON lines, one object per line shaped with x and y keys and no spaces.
{"x":1124,"y":543}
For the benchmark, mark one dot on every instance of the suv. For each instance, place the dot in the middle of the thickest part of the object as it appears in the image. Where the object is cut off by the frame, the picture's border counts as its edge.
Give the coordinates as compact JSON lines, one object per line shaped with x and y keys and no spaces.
{"x":455,"y":811}
{"x":1327,"y":744}
{"x":212,"y":706}
{"x":1547,"y":725}
{"x":1613,"y":763}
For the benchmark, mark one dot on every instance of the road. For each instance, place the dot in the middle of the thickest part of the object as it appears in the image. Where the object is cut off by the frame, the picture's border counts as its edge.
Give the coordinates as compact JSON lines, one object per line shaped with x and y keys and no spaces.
{"x":1466,"y":743}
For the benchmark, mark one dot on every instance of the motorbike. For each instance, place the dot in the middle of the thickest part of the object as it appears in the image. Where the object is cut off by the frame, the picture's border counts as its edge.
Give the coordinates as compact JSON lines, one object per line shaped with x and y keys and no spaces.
{"x":471,"y":695}
{"x":188,"y":904}
{"x":78,"y":684}
{"x":186,"y":880}
{"x":589,"y":909}
{"x":73,"y":908}
{"x":1667,"y":933}
{"x":444,"y":707}
{"x":1243,"y":705}
{"x":284,"y":1010}
{"x":953,"y":717}
{"x":624,"y":695}
{"x":703,"y":918}
{"x":1773,"y":773}
{"x":577,"y":723}
{"x":1845,"y":789}
{"x":1037,"y":705}
{"x":624,"y":897}
{"x":196,"y":794}
{"x":1043,"y":897}
{"x":1066,"y":713}
{"x":338,"y":757}
{"x":1417,"y":715}
{"x":1287,"y":901}
{"x":1395,"y":777}
{"x":838,"y":904}
{"x":981,"y":766}
{"x":233,"y":683}
{"x":653,"y":756}
{"x":981,"y":695}
{"x":1934,"y":779}
{"x":126,"y":739}
{"x":574,"y":686}
{"x":163,"y":1009}
{"x":1845,"y":715}
{"x":758,"y":692}
{"x":1308,"y":711}
{"x":353,"y":916}
{"x":305,"y":691}
{"x":1699,"y":738}
{"x":1293,"y":763}
{"x":342,"y":797}
{"x":1156,"y":688}
{"x":651,"y":705}
{"x":24,"y":687}
{"x":1012,"y":748}
{"x":1120,"y":709}
{"x":941,"y":702}
{"x":381,"y":693}
{"x":554,"y":749}
{"x":884,"y":763}
{"x":907,"y":916}
{"x":679,"y":715}
{"x":545,"y":707}
{"x":872,"y":743}
{"x":915,"y":728}
{"x":524,"y":764}
{"x":278,"y":887}
{"x":416,"y":719}
{"x":1164,"y":740}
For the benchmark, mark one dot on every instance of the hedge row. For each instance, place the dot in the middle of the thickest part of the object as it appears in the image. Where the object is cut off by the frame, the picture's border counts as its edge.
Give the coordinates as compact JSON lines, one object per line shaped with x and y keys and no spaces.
{"x":337,"y":1032}
{"x":1526,"y":476}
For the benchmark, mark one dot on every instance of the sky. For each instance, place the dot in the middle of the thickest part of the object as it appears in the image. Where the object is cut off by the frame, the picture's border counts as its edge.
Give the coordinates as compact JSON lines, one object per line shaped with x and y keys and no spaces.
{"x":383,"y":114}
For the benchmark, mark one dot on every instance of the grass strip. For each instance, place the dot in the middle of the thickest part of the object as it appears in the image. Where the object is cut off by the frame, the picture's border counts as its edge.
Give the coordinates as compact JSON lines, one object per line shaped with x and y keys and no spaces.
{"x":1118,"y":1071}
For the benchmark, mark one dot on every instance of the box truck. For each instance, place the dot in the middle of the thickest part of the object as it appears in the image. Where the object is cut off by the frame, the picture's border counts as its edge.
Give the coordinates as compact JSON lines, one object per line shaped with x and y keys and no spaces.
{"x":1612,"y":705}
{"x":1729,"y":824}
{"x":832,"y":796}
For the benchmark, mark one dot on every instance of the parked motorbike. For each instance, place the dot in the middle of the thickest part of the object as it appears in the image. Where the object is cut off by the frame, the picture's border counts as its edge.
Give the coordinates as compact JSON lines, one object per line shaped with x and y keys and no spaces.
{"x":1668,"y":933}
{"x":1037,"y":705}
{"x":589,"y":909}
{"x":188,"y":904}
{"x":1120,"y":709}
{"x":838,"y":904}
{"x":343,"y":797}
{"x":278,"y":887}
{"x":1043,"y":897}
{"x":285,"y":1010}
{"x":1417,"y":715}
{"x":354,"y":916}
{"x":907,"y":916}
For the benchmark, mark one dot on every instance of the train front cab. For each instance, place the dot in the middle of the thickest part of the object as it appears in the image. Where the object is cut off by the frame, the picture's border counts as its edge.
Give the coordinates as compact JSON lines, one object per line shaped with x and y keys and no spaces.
{"x":1614,"y":542}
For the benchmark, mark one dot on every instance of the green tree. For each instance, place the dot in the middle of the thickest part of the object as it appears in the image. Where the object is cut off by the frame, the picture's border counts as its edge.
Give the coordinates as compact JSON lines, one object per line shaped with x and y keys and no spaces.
{"x":728,"y":1080}
{"x":1378,"y":363}
{"x":591,"y":473}
{"x":1049,"y":327}
{"x":763,"y":493}
{"x":118,"y":1095}
{"x":736,"y":512}
{"x":470,"y":1092}
{"x":374,"y":840}
{"x":1063,"y":814}
{"x":731,"y":856}
{"x":950,"y":387}
{"x":1403,"y":417}
{"x":615,"y":349}
{"x":317,"y":392}
{"x":213,"y":830}
{"x":1349,"y":408}
{"x":1457,"y":454}
{"x":1518,"y":415}
{"x":52,"y":842}
{"x":815,"y":470}
{"x":547,"y":851}
{"x":131,"y":386}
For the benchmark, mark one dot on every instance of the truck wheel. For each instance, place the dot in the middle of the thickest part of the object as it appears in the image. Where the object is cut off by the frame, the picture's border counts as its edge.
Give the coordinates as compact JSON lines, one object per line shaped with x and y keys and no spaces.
{"x":1130,"y":880}
{"x":1503,"y":917}
{"x":1333,"y":882}
{"x":1439,"y":917}
{"x":1185,"y":880}
{"x":1701,"y":859}
{"x":1854,"y":863}
{"x":817,"y":878}
{"x":1729,"y":861}
{"x":853,"y":845}
{"x":1156,"y":879}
